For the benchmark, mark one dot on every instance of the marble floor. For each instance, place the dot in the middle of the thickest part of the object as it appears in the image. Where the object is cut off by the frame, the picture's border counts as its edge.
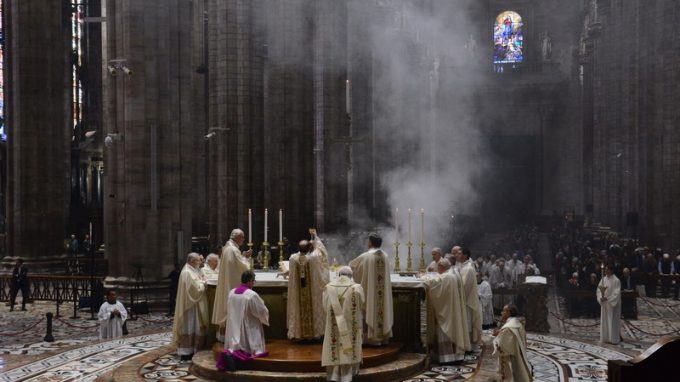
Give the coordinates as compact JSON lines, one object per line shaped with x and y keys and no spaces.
{"x":569,"y":353}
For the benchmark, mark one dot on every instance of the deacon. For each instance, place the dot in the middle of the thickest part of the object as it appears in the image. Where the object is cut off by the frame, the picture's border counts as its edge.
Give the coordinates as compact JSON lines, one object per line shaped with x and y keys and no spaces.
{"x":112,"y":316}
{"x":609,"y":297}
{"x":510,"y":345}
{"x":211,"y":270}
{"x":191,"y":310}
{"x":444,"y":292}
{"x":372,"y":270}
{"x":232,"y":265}
{"x":247,"y":314}
{"x":485,"y":300}
{"x":437,"y":254}
{"x":308,"y":275}
{"x":473,"y":309}
{"x":343,"y":300}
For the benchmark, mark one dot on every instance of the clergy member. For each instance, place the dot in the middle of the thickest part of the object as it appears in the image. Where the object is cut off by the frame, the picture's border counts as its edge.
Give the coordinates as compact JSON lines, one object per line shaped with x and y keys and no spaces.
{"x":372,"y":270}
{"x":343,"y":300}
{"x":444,"y":293}
{"x":473,"y":308}
{"x":112,"y":316}
{"x":232,"y":265}
{"x":437,"y":254}
{"x":211,"y":270}
{"x":191,"y":310}
{"x":247,"y":314}
{"x":308,"y":275}
{"x":609,"y":297}
{"x":510,"y":345}
{"x":485,"y":300}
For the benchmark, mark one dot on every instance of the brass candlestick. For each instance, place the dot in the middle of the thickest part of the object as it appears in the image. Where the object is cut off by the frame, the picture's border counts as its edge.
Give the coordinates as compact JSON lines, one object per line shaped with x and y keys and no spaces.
{"x":265,"y":255}
{"x":397,"y":266}
{"x":409,"y":258}
{"x":250,"y":260}
{"x":280,"y":243}
{"x":422,"y":257}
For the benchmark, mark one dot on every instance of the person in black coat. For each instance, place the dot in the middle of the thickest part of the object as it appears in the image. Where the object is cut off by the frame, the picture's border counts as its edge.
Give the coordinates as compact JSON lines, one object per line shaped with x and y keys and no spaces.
{"x":19,"y":283}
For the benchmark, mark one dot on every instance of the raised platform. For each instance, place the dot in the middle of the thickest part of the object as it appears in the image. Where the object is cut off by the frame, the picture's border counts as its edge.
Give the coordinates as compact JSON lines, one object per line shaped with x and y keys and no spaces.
{"x":404,"y":366}
{"x":289,"y":356}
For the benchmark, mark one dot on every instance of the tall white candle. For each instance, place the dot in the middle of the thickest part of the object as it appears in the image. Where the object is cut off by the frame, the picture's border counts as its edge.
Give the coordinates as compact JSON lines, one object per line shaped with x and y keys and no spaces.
{"x":409,"y":225}
{"x":280,"y":225}
{"x":396,"y":224}
{"x":90,"y":231}
{"x":266,"y":214}
{"x":348,"y":97}
{"x":422,"y":225}
{"x":250,"y":225}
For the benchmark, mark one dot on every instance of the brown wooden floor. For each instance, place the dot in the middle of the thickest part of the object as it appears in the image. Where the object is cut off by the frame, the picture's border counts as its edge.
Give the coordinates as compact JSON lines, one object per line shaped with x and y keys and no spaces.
{"x":285,"y":355}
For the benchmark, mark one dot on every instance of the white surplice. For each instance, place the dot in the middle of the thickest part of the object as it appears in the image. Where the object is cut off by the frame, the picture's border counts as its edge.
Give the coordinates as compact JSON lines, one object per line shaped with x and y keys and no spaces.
{"x":510,"y":345}
{"x":372,"y":270}
{"x":211,"y":274}
{"x":232,"y":266}
{"x":610,"y":310}
{"x":444,"y":294}
{"x":343,"y":300}
{"x":247,"y":314}
{"x":474,"y":309}
{"x":486,"y":301}
{"x":308,"y":275}
{"x":191,"y":319}
{"x":111,"y":327}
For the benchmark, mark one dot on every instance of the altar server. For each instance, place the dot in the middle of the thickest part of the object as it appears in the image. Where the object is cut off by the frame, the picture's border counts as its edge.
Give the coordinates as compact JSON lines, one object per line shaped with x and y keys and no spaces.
{"x":473,"y":309}
{"x":510,"y":345}
{"x":609,"y":297}
{"x":112,"y":316}
{"x":485,"y":300}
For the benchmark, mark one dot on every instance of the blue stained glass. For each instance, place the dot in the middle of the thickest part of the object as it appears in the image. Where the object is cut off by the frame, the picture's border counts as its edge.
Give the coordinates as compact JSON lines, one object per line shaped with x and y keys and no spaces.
{"x":508,"y":38}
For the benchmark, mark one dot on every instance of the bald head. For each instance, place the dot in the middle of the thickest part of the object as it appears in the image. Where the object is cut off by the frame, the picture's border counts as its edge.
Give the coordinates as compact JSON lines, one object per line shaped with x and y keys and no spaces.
{"x":304,"y":246}
{"x":443,"y":265}
{"x":237,"y":236}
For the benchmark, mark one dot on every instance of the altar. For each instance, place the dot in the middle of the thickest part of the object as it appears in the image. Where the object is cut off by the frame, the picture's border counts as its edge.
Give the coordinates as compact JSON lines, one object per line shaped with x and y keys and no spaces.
{"x":409,"y":308}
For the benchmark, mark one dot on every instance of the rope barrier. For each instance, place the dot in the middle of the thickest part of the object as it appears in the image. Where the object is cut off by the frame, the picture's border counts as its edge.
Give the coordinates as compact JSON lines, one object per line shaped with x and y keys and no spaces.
{"x":156,"y":321}
{"x":573,"y":324}
{"x":23,"y":331}
{"x":651,"y":334}
{"x":76,"y":326}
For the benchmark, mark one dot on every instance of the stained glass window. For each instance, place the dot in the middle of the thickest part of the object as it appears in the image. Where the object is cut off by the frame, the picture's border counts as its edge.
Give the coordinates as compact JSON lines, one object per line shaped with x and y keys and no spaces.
{"x":508,"y":38}
{"x":3,"y":133}
{"x":77,"y":14}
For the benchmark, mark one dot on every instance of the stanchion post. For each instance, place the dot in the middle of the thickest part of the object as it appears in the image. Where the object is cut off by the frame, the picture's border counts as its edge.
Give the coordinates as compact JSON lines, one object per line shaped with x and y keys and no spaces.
{"x":48,"y":336}
{"x":75,"y":301}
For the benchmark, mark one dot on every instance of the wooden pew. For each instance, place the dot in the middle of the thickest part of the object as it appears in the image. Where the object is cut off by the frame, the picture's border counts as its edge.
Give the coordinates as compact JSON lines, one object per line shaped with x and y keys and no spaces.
{"x":658,"y":363}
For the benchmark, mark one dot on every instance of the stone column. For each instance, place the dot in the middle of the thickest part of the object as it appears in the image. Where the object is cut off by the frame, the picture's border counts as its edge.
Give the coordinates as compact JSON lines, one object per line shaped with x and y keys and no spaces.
{"x":148,"y":116}
{"x":38,"y":125}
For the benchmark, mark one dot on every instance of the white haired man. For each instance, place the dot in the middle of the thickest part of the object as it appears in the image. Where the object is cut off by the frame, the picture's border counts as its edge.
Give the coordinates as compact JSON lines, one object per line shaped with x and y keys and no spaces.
{"x":191,"y":310}
{"x":446,"y":298}
{"x":232,"y":265}
{"x":211,"y":270}
{"x":437,"y":254}
{"x":343,"y":300}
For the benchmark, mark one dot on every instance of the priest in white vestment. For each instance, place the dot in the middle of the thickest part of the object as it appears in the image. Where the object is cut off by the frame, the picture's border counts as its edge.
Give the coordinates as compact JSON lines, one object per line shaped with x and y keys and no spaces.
{"x":307,"y":277}
{"x":247,"y":314}
{"x":510,"y":345}
{"x":444,"y":294}
{"x":211,"y":269}
{"x":372,"y":270}
{"x":191,"y":310}
{"x":437,"y":254}
{"x":343,"y":300}
{"x":232,"y":265}
{"x":468,"y":273}
{"x":112,"y":316}
{"x":485,"y":300}
{"x":609,"y":297}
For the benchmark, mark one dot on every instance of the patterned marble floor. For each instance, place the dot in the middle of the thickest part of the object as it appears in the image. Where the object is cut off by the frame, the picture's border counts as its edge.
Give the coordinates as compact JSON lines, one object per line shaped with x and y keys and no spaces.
{"x":570,"y":353}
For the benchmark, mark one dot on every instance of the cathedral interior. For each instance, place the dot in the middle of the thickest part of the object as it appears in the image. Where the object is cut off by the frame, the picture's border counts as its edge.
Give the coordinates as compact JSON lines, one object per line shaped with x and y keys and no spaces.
{"x":135,"y":132}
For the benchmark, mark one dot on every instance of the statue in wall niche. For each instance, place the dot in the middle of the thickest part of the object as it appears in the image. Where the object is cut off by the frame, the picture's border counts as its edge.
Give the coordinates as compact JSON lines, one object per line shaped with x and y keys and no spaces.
{"x":546,"y":46}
